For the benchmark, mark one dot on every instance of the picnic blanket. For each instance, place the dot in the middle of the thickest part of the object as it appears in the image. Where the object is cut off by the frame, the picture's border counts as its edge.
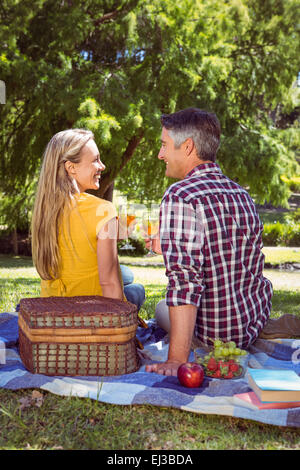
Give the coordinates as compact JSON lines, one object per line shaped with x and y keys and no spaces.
{"x":218,"y":397}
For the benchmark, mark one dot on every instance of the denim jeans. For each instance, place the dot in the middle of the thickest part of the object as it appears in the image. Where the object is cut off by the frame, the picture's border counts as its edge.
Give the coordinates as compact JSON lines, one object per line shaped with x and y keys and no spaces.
{"x":134,"y":293}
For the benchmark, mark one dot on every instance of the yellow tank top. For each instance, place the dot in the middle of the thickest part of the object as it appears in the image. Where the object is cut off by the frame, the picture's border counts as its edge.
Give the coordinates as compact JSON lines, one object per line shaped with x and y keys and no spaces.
{"x":78,"y":248}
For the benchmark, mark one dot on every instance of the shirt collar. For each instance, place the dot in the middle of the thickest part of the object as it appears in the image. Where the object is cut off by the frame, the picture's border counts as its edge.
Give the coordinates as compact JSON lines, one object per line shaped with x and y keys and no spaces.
{"x":204,"y":168}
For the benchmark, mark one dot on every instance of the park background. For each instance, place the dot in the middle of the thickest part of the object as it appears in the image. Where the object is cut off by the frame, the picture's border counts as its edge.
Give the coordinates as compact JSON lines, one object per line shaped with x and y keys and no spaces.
{"x":114,"y":67}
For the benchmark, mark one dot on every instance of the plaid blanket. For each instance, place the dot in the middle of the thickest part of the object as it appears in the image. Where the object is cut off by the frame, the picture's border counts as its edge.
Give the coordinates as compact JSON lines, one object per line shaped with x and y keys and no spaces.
{"x":218,"y":397}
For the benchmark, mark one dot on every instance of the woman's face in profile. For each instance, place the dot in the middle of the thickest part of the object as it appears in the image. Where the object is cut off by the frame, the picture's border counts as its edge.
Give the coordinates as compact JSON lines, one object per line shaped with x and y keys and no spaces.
{"x":88,"y":170}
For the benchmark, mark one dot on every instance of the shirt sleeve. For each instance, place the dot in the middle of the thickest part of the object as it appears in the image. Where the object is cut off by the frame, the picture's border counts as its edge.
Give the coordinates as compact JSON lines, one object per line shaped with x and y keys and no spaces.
{"x":182,"y":241}
{"x":105,"y":211}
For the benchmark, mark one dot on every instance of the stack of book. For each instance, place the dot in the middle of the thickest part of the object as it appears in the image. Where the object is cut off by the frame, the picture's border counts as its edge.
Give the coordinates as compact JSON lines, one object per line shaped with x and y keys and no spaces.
{"x":272,"y":388}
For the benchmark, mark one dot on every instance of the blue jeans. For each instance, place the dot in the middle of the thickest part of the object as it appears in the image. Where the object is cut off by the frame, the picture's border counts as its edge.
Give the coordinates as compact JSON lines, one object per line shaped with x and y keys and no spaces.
{"x":134,"y":293}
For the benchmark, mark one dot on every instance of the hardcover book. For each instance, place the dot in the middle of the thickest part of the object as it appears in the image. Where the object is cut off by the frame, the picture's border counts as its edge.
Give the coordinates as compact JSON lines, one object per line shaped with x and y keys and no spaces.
{"x":252,"y":399}
{"x":275,"y":385}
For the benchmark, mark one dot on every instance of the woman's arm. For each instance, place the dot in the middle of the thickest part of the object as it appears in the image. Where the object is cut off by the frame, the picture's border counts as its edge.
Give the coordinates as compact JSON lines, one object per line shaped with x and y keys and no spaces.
{"x":108,"y":263}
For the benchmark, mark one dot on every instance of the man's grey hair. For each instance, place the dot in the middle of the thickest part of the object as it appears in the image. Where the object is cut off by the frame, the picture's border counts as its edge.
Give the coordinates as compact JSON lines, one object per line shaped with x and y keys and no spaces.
{"x":201,"y":126}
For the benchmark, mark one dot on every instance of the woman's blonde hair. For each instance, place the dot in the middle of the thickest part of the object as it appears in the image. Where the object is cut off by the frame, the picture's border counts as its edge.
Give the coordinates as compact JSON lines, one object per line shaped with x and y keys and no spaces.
{"x":55,"y":195}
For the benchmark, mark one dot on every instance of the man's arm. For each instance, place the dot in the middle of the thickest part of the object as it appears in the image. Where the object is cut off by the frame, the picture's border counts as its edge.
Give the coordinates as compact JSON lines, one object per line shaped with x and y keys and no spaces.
{"x":181,"y":237}
{"x":182,"y":320}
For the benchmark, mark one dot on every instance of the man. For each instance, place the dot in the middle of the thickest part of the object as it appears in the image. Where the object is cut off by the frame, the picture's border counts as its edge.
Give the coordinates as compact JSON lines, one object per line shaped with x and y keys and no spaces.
{"x":210,"y":236}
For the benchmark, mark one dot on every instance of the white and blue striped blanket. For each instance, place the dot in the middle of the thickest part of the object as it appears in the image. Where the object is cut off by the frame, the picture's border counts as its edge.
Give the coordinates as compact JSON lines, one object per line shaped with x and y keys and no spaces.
{"x":216,"y":397}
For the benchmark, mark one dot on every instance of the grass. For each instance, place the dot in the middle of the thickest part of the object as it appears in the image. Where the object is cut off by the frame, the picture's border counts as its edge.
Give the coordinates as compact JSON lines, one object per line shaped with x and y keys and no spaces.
{"x":273,"y":255}
{"x":280,"y":255}
{"x":81,"y":423}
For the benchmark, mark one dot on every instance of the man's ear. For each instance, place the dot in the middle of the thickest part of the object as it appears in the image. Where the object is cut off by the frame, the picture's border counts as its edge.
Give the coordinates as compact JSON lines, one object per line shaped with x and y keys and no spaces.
{"x":70,"y":168}
{"x":189,"y":145}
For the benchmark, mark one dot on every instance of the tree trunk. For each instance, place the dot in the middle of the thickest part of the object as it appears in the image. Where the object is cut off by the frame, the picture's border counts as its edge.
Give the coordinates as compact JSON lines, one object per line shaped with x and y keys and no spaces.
{"x":109,"y":193}
{"x":14,"y":242}
{"x":107,"y":180}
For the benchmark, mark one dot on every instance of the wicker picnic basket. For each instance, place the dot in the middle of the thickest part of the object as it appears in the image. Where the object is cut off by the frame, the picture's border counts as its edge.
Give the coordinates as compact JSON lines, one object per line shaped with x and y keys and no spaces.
{"x":78,"y":336}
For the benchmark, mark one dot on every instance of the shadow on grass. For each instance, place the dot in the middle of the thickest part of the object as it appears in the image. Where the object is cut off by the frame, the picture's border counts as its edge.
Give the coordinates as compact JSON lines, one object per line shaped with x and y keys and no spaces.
{"x":20,"y":282}
{"x":7,"y":261}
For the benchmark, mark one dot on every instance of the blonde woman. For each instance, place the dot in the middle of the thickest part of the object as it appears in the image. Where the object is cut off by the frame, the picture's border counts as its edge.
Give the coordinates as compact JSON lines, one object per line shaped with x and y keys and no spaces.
{"x":74,"y":234}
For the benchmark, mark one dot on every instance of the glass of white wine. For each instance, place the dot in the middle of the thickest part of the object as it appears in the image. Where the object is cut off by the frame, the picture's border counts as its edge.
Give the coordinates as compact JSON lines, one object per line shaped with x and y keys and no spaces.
{"x":151,"y":227}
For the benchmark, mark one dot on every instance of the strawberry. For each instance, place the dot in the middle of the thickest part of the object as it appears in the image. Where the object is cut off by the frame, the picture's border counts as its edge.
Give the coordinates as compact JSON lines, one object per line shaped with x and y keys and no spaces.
{"x":224,"y":371}
{"x":212,"y":364}
{"x":229,"y":375}
{"x":226,"y":364}
{"x":234,"y":367}
{"x":217,"y":374}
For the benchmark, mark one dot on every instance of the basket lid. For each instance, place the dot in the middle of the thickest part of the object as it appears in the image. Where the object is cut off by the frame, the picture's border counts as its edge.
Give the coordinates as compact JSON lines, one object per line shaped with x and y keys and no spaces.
{"x":80,"y":305}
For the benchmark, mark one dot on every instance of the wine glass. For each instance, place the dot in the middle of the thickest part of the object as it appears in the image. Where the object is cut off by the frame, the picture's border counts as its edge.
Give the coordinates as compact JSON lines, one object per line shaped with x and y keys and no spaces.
{"x":127,"y":220}
{"x":151,"y":227}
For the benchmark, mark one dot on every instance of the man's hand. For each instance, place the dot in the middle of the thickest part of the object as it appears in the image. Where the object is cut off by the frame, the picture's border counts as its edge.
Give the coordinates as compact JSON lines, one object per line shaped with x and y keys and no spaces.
{"x":164,"y":368}
{"x":182,"y":320}
{"x":155,"y":243}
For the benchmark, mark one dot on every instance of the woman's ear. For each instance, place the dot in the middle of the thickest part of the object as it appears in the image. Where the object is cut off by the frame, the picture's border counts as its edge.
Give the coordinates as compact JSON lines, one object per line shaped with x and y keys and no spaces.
{"x":70,"y":168}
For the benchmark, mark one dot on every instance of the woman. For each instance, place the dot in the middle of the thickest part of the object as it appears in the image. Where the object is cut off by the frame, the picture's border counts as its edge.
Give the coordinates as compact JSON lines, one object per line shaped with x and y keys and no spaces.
{"x":74,"y":234}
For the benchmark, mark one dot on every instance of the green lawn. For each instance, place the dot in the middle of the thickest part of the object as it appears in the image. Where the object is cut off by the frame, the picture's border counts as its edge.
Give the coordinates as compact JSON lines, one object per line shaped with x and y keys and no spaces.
{"x":273,"y":255}
{"x":77,"y":423}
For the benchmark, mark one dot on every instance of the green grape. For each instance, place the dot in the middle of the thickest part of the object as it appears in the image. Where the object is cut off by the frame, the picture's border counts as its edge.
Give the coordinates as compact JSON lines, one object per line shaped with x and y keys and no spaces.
{"x":224,"y":352}
{"x":219,"y":356}
{"x":218,"y":343}
{"x":218,"y":352}
{"x":232,"y":344}
{"x":237,"y":351}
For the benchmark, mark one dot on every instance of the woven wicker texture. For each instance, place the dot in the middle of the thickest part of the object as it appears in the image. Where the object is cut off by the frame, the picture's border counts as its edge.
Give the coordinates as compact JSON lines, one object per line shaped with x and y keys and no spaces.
{"x":71,"y":336}
{"x":77,"y":312}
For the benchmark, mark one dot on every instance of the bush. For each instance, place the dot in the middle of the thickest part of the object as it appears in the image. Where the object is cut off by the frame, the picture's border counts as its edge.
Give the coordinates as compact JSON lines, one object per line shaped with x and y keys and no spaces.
{"x":274,"y":234}
{"x":277,"y":234}
{"x":293,"y":183}
{"x":294,"y":235}
{"x":137,"y":243}
{"x":293,"y":217}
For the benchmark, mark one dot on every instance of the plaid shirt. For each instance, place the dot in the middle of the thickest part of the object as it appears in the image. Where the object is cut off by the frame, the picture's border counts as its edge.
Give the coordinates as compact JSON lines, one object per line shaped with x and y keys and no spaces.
{"x":211,"y":241}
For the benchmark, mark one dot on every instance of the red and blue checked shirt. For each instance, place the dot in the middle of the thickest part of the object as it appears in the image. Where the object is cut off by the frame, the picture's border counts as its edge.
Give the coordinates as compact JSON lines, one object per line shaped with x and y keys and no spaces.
{"x":211,"y":241}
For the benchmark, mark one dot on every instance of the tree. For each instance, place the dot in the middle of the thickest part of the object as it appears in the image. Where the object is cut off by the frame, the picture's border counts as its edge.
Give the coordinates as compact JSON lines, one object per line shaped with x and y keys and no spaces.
{"x":115,"y":66}
{"x":230,"y":61}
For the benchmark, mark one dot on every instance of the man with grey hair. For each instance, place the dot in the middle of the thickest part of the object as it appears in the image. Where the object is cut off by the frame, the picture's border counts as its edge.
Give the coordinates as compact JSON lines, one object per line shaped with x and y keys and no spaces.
{"x":211,"y":241}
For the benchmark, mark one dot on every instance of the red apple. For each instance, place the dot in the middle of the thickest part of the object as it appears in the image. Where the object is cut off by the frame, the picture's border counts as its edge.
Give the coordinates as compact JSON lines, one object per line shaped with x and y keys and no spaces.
{"x":190,"y":374}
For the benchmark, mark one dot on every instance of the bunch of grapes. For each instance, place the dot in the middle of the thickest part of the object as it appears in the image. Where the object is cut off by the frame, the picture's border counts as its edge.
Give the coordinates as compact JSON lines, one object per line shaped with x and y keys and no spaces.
{"x":223,"y":360}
